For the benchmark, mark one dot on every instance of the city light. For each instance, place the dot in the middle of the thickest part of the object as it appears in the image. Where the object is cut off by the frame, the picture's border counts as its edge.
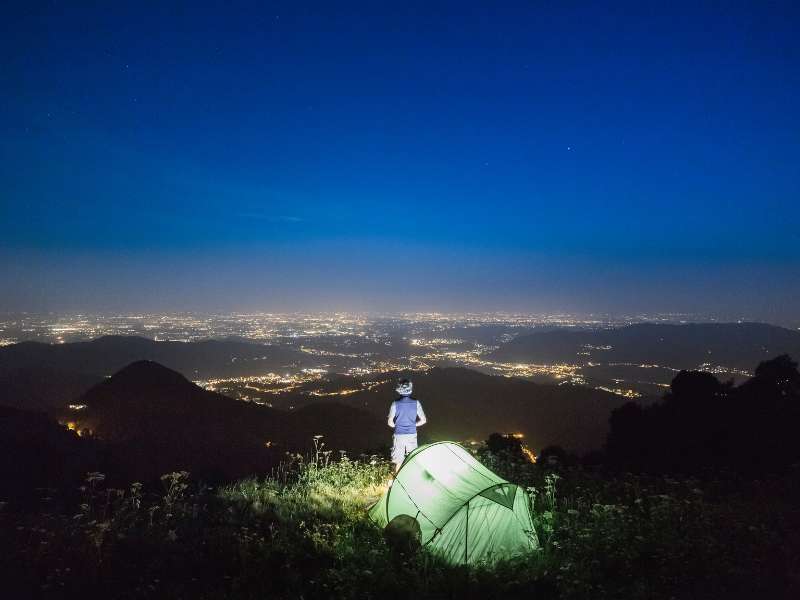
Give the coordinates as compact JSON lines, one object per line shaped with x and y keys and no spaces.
{"x":370,"y":348}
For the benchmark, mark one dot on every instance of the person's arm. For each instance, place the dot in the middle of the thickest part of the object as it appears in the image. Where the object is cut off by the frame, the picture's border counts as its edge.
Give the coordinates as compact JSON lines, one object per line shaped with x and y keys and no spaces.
{"x":392,"y":414}
{"x":421,"y":419}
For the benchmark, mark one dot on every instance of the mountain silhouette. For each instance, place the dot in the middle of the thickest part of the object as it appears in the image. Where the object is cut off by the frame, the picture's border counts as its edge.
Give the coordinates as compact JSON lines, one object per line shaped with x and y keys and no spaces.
{"x":458,"y":400}
{"x":106,"y":355}
{"x":156,"y":421}
{"x":37,"y":452}
{"x":464,"y":404}
{"x":43,"y":388}
{"x":736,"y":345}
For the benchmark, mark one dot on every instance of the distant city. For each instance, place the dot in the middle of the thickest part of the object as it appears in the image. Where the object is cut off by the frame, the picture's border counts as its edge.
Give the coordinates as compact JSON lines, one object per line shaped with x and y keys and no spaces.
{"x":268,"y":327}
{"x":370,"y":348}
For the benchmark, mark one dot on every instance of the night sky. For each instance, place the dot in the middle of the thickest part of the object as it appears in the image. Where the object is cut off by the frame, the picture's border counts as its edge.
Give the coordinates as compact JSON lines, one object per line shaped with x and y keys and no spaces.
{"x":536,"y":156}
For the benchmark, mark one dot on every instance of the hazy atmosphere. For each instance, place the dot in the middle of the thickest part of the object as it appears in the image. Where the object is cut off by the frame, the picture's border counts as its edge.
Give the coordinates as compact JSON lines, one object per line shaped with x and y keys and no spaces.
{"x":534,"y":156}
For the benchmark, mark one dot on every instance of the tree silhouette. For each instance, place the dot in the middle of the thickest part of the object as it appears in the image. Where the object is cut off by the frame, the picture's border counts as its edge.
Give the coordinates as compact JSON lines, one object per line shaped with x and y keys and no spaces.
{"x":499,"y":443}
{"x":705,"y":426}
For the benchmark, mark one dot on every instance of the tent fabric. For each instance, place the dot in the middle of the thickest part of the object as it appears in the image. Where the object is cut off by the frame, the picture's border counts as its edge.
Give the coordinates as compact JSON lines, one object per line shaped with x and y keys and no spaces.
{"x":466,"y":513}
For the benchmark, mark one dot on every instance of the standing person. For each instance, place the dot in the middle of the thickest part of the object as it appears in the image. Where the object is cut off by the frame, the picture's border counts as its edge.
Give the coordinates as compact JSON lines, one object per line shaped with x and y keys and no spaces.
{"x":405,"y":415}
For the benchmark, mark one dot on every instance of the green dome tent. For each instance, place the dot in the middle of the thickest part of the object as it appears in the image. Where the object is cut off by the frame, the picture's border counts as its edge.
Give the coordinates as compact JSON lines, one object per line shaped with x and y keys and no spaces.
{"x":465,"y":513}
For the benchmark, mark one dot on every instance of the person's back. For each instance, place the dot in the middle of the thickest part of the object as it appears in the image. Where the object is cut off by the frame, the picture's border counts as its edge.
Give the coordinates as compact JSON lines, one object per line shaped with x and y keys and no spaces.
{"x":405,"y":411}
{"x":405,"y":415}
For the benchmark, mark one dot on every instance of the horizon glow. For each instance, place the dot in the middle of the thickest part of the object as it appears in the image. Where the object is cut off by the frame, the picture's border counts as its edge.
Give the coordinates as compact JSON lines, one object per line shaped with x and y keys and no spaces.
{"x":452,"y":158}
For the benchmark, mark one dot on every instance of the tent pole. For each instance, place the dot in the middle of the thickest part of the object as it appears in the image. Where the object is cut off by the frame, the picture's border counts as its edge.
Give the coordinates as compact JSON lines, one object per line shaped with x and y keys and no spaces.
{"x":466,"y":535}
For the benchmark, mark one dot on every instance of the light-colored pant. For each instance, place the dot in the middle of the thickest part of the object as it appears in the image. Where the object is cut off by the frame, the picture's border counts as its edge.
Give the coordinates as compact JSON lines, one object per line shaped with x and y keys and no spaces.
{"x":403,"y":443}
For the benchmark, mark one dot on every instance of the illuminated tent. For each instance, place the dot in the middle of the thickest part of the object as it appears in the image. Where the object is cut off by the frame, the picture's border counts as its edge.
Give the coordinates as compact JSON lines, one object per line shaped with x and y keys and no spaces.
{"x":465,"y":513}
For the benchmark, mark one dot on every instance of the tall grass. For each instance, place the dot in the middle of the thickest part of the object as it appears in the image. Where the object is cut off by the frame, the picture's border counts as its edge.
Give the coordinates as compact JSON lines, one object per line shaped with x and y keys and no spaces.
{"x":302,"y":531}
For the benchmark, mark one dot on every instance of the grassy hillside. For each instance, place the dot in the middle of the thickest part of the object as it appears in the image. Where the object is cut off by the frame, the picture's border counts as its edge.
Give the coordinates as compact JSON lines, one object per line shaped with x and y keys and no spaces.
{"x":303,"y":532}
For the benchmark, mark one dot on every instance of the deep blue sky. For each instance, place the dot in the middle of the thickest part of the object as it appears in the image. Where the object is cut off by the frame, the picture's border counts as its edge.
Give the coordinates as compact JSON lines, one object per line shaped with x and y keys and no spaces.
{"x":397,"y":156}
